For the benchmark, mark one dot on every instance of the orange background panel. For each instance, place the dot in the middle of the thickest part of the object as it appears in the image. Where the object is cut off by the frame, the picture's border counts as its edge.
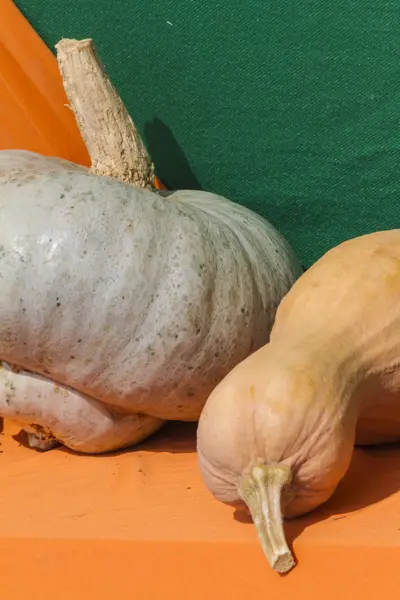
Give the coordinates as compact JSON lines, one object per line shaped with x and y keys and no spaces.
{"x":33,"y":111}
{"x":140,"y":524}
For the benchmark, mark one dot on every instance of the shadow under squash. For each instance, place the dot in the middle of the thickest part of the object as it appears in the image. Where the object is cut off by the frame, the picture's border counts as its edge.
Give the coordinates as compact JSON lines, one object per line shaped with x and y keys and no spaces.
{"x":173,"y":438}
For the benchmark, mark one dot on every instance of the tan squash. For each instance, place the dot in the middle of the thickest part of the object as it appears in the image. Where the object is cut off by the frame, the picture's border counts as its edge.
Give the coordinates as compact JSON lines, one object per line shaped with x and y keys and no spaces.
{"x":278,"y":432}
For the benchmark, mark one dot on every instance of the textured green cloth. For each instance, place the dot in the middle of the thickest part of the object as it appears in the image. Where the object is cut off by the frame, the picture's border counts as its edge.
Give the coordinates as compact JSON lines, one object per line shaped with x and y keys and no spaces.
{"x":291,"y":107}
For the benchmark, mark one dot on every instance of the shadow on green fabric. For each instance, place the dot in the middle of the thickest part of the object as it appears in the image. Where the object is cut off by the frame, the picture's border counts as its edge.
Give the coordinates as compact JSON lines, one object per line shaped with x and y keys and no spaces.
{"x":170,"y":162}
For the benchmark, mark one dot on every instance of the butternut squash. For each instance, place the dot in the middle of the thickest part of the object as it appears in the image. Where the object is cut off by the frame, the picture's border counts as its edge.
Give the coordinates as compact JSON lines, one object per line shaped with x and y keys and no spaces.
{"x":278,"y":432}
{"x":122,"y":306}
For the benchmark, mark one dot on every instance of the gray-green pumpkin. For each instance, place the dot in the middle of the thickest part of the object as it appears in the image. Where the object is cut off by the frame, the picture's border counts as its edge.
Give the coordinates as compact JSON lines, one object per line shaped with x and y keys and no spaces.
{"x":122,"y":307}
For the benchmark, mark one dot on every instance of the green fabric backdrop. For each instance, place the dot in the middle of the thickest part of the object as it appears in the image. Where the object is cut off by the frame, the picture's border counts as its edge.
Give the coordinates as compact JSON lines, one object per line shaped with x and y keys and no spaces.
{"x":291,"y":107}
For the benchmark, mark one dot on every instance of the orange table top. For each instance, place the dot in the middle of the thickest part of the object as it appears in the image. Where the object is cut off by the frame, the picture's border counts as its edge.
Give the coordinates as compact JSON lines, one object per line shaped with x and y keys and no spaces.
{"x":140,"y":524}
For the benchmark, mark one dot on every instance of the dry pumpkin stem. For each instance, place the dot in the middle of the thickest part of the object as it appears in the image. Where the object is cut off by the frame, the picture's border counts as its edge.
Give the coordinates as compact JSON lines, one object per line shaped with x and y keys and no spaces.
{"x":112,"y":140}
{"x":261,"y":490}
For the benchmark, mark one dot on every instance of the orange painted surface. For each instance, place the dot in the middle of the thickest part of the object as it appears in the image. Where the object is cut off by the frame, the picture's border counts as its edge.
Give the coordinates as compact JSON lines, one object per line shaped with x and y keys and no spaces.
{"x":158,"y":184}
{"x":140,"y":524}
{"x":33,"y":111}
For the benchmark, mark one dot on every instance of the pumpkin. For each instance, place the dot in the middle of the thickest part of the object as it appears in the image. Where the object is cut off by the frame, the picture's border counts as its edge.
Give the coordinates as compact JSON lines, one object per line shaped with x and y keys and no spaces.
{"x":122,"y":306}
{"x":277,"y":434}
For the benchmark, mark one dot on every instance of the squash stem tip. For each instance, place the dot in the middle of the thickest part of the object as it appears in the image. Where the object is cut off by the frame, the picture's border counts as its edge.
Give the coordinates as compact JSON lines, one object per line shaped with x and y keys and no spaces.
{"x":261,"y":490}
{"x":112,"y":140}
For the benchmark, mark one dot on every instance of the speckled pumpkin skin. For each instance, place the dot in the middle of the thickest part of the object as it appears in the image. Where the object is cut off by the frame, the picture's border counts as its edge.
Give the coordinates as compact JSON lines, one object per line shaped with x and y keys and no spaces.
{"x":141,"y":301}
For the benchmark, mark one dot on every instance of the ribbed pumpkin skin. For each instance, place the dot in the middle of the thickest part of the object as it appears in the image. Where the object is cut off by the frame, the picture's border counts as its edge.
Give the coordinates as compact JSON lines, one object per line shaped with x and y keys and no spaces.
{"x":141,"y":301}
